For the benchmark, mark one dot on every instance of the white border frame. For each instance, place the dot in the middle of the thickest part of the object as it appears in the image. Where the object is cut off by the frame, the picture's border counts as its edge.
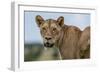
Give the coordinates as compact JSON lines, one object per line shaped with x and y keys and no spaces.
{"x":17,"y":58}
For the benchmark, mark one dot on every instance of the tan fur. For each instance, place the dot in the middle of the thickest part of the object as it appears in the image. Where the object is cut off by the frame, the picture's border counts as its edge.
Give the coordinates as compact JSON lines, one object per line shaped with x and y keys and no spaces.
{"x":68,"y":39}
{"x":85,"y":43}
{"x":68,"y":42}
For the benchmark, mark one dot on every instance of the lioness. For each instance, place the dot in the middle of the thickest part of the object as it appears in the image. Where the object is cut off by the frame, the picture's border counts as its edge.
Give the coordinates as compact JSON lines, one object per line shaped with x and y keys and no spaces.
{"x":56,"y":34}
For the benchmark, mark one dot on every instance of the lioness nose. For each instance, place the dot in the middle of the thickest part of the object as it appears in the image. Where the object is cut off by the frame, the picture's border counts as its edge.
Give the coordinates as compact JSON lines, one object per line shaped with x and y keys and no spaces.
{"x":48,"y":38}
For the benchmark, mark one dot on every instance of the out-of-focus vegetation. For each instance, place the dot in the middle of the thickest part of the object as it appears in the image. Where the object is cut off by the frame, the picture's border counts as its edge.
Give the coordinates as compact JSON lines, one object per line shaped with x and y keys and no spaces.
{"x":36,"y":52}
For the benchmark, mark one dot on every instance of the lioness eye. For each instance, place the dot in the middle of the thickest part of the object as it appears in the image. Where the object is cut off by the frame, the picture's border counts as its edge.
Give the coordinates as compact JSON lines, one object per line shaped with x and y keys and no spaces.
{"x":44,"y":29}
{"x":54,"y":29}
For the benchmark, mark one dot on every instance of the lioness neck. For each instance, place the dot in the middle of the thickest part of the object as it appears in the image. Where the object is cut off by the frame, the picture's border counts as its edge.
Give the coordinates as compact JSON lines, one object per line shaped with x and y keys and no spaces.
{"x":68,"y":42}
{"x":60,"y":40}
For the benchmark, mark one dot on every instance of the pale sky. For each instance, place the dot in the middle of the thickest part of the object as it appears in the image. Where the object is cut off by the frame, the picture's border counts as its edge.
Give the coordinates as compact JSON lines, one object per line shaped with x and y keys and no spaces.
{"x":32,"y":33}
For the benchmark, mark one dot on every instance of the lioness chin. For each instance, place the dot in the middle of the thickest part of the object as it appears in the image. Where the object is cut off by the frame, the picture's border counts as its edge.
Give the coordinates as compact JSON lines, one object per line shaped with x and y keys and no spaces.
{"x":65,"y":38}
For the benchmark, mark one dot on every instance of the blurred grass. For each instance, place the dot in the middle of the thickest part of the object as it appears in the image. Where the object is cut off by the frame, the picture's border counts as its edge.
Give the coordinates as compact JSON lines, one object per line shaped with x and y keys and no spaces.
{"x":36,"y":52}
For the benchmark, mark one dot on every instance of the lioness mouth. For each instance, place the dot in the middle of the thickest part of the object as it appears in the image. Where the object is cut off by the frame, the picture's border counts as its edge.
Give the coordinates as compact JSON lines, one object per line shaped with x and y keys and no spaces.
{"x":48,"y":44}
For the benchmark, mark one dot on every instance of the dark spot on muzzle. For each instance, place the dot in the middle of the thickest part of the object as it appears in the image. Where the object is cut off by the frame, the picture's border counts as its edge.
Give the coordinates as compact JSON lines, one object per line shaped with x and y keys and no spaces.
{"x":48,"y":44}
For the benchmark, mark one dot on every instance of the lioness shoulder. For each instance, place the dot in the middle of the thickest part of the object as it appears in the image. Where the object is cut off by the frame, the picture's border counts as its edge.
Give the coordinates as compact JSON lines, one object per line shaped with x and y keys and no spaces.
{"x":68,"y":42}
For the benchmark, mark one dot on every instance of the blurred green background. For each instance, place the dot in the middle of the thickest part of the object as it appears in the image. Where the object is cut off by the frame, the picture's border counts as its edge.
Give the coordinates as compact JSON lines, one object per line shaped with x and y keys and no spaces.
{"x":36,"y":52}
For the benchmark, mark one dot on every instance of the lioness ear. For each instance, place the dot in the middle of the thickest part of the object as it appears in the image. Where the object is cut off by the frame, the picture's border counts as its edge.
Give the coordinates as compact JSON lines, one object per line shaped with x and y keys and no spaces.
{"x":39,"y":20}
{"x":60,"y":20}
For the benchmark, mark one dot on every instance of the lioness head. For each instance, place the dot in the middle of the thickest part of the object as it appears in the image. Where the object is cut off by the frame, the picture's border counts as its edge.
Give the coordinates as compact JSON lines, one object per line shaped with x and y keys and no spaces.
{"x":50,"y":29}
